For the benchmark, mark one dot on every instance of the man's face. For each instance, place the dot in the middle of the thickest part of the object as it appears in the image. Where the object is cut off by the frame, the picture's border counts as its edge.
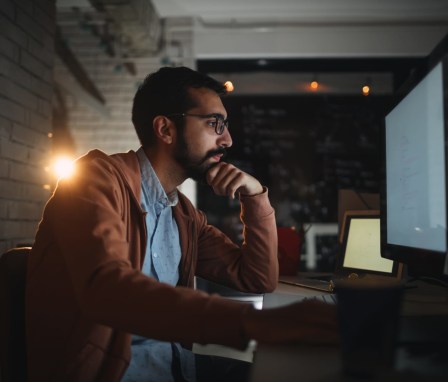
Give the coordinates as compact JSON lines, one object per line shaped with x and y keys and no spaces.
{"x":198,"y":147}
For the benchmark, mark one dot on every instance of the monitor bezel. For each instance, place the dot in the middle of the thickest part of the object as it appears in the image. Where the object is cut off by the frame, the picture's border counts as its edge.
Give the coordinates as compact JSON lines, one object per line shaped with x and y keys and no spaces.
{"x":420,"y":262}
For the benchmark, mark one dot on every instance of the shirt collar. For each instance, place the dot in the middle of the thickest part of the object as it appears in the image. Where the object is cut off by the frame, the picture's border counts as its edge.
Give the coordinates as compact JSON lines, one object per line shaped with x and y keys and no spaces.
{"x":151,"y":186}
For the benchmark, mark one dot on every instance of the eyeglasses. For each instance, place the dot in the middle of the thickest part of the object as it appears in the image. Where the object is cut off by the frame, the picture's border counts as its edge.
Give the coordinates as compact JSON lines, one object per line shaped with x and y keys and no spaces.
{"x":217,"y":121}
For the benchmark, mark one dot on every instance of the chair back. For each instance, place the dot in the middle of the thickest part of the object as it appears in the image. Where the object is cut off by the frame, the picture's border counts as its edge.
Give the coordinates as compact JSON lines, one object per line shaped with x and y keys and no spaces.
{"x":13,"y":266}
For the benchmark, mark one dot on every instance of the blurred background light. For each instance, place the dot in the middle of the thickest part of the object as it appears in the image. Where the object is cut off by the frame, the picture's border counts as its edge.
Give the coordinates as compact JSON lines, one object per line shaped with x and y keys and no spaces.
{"x":63,"y":167}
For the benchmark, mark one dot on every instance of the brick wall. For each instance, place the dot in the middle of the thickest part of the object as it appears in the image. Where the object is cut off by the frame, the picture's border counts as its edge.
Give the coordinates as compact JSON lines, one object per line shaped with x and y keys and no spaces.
{"x":107,"y":127}
{"x":26,"y":74}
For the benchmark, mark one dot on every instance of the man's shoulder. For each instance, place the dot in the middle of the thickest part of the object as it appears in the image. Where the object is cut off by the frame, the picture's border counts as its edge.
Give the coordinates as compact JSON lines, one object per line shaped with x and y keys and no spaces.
{"x":124,"y":165}
{"x":126,"y":162}
{"x":129,"y":158}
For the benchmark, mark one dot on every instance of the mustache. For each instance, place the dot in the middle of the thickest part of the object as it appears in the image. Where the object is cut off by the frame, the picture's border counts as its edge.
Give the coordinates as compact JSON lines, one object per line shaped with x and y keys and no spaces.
{"x":218,"y":151}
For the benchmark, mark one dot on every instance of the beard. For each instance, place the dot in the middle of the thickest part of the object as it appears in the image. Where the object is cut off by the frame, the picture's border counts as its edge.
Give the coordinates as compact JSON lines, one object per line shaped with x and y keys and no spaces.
{"x":195,"y":167}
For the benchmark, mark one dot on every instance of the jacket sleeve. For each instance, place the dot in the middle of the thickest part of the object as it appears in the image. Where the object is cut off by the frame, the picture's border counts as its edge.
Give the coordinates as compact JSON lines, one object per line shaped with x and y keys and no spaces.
{"x":251,"y":267}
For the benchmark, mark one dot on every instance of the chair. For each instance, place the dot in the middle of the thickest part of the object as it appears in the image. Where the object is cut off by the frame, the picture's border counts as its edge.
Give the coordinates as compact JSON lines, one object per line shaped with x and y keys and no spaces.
{"x":13,"y":265}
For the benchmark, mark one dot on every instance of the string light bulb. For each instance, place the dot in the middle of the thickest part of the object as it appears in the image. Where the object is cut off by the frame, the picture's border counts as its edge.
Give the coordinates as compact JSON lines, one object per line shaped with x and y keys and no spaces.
{"x":229,"y":86}
{"x":366,"y":90}
{"x":314,"y":85}
{"x":366,"y":87}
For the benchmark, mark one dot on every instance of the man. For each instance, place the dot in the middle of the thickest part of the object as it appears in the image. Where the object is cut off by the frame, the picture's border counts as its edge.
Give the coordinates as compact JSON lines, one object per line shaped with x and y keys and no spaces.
{"x":110,"y":276}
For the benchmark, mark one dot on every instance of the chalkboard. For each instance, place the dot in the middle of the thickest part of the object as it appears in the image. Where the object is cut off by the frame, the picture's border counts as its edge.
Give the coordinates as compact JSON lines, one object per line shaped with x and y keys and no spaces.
{"x":304,"y":149}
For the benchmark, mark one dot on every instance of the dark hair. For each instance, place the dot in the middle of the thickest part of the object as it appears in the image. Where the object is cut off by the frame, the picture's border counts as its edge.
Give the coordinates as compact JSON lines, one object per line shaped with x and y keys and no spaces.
{"x":165,"y":92}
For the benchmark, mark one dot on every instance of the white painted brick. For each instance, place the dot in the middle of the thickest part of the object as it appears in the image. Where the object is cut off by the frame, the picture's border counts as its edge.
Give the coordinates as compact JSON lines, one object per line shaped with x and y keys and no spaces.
{"x":24,"y":210}
{"x":25,"y":5}
{"x":48,"y":40}
{"x":11,"y":150}
{"x":11,"y":228}
{"x":11,"y":110}
{"x":18,"y":94}
{"x":31,"y":64}
{"x":38,"y":50}
{"x":5,"y":244}
{"x":9,"y":29}
{"x":44,"y":19}
{"x":33,"y":29}
{"x":27,"y":136}
{"x":13,"y":190}
{"x":28,"y":231}
{"x":4,"y":169}
{"x":5,"y":128}
{"x":39,"y":156}
{"x":48,"y":6}
{"x":38,"y":122}
{"x":18,"y":75}
{"x":44,"y":108}
{"x":41,"y":88}
{"x":9,"y":49}
{"x":26,"y":90}
{"x":3,"y":210}
{"x":7,"y":8}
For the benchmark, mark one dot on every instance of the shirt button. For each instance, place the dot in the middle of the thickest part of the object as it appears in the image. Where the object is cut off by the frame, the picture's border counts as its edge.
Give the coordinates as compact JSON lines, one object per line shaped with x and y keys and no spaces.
{"x":155,"y":254}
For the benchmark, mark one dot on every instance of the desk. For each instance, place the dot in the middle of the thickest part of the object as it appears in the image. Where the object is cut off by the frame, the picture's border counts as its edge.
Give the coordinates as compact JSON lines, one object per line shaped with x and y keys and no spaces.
{"x":323,"y":363}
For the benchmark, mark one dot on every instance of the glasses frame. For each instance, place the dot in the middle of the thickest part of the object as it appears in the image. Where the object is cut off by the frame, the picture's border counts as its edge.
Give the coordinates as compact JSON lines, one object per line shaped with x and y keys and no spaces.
{"x":220,"y":122}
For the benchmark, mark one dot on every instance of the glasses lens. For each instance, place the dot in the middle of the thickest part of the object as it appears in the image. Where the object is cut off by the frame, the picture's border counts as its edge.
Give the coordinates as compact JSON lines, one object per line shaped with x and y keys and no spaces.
{"x":221,"y":124}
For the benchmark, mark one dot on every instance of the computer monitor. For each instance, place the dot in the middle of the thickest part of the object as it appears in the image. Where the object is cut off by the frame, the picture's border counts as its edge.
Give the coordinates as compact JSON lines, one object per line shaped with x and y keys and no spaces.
{"x":414,"y":197}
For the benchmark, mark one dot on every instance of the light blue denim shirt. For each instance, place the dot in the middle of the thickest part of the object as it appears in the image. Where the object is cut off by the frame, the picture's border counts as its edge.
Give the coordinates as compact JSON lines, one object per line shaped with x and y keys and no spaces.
{"x":151,"y":359}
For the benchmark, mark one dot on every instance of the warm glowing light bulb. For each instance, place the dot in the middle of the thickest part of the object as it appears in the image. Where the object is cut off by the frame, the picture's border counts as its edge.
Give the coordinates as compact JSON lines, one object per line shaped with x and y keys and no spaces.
{"x":365,"y":90}
{"x":63,"y":167}
{"x":229,"y":86}
{"x":314,"y":85}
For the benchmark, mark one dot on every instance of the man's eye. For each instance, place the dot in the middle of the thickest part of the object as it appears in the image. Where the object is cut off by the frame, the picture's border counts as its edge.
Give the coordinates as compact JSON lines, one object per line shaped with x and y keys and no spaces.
{"x":212,"y":122}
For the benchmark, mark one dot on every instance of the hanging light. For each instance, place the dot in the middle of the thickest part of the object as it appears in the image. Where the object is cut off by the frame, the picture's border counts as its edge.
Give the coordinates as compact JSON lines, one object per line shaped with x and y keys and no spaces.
{"x":314,"y":84}
{"x":366,"y":87}
{"x":229,"y":86}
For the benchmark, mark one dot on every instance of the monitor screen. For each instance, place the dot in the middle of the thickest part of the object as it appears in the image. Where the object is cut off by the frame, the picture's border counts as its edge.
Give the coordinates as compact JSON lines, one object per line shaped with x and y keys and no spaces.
{"x":414,"y":199}
{"x":362,"y":250}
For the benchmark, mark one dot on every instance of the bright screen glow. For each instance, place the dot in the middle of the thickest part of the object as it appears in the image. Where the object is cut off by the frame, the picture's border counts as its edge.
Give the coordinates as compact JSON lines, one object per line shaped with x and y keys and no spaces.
{"x":415,"y":166}
{"x":363,"y":250}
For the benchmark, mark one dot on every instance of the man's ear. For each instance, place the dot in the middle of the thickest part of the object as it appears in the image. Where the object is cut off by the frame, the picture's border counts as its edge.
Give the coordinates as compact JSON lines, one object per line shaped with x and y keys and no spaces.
{"x":164,"y":129}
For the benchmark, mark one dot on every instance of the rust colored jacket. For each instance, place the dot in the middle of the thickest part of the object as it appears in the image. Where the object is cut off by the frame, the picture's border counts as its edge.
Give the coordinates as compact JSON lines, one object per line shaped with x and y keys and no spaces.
{"x":85,"y":291}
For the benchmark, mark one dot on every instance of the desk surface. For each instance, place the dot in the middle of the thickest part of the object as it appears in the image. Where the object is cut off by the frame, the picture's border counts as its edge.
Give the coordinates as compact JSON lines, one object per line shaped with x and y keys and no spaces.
{"x":323,"y":363}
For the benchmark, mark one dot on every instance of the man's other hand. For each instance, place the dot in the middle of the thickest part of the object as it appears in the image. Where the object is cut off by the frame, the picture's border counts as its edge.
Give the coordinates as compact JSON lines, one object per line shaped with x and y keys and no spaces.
{"x":303,"y":322}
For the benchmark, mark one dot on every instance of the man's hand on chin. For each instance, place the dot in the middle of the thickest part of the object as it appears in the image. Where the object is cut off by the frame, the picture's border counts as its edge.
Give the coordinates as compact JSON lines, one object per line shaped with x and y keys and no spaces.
{"x":226,"y":180}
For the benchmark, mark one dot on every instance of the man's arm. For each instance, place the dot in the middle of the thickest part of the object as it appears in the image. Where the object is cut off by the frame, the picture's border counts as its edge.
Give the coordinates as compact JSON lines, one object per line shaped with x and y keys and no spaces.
{"x":253,"y":266}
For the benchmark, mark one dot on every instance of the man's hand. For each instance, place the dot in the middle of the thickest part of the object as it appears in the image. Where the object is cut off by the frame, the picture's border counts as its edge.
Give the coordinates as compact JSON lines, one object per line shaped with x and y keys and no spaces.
{"x":226,"y":179}
{"x":305,"y":322}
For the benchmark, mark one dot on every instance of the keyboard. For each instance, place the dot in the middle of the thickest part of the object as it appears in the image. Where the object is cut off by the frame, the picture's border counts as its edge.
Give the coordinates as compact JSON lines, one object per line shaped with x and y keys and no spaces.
{"x":326,"y":298}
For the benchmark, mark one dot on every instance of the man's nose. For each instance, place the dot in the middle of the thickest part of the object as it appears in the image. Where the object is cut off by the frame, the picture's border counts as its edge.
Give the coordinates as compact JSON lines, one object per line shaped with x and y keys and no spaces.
{"x":225,"y":139}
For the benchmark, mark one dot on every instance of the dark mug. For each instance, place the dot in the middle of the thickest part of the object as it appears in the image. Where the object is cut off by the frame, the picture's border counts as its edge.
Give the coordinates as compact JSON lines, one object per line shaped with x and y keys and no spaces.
{"x":368,"y":318}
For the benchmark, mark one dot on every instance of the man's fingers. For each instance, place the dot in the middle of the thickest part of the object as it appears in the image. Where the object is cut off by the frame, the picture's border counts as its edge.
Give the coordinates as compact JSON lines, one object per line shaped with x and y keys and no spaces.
{"x":225,"y":180}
